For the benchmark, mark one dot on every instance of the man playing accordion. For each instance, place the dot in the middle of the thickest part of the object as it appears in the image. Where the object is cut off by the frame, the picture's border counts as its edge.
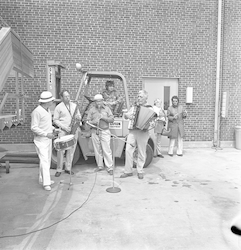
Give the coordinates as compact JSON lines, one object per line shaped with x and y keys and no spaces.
{"x":138,"y":137}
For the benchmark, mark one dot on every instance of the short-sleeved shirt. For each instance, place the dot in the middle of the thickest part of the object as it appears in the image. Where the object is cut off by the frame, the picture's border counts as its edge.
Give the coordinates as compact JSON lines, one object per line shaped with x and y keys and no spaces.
{"x":94,"y":114}
{"x":110,"y":96}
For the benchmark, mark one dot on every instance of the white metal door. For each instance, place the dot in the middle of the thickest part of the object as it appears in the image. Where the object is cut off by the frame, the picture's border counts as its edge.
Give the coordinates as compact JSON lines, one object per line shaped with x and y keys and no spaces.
{"x":163,"y":88}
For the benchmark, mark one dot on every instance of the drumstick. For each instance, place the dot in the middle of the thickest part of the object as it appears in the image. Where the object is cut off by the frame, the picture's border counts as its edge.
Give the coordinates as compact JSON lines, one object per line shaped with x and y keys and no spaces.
{"x":115,"y":136}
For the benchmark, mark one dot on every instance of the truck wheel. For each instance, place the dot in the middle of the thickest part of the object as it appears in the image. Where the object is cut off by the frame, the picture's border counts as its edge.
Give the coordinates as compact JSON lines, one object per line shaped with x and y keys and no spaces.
{"x":54,"y":157}
{"x":7,"y":167}
{"x":149,"y":156}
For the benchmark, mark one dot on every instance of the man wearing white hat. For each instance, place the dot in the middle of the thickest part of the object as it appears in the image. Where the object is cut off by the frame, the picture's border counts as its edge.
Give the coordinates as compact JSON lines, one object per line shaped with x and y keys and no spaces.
{"x":44,"y":132}
{"x":100,"y":116}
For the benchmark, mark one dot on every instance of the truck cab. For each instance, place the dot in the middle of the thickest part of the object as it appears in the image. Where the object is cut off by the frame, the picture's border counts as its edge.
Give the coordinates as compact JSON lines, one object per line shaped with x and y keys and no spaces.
{"x":119,"y":128}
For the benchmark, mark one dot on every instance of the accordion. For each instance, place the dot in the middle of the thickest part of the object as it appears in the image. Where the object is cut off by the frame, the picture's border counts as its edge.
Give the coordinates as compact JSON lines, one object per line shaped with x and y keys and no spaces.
{"x":142,"y":118}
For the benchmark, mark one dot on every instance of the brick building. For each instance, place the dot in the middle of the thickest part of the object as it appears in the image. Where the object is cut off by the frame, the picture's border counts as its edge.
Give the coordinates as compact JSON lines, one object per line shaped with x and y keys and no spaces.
{"x":163,"y":39}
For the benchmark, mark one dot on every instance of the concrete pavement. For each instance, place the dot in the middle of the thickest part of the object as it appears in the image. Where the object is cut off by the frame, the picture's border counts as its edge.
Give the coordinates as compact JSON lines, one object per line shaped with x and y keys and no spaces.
{"x":182,"y":203}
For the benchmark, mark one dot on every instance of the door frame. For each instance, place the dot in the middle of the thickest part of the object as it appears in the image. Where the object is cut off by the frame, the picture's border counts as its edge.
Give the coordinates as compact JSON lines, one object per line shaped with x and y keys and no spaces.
{"x":165,"y":140}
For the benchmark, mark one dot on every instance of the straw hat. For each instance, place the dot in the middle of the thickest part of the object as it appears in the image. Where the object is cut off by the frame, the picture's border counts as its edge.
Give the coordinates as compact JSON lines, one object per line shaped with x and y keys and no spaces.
{"x":98,"y":97}
{"x":46,"y":96}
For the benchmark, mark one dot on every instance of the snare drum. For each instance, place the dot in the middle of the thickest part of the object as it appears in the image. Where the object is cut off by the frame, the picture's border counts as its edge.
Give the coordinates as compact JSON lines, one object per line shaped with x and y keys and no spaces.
{"x":64,"y":143}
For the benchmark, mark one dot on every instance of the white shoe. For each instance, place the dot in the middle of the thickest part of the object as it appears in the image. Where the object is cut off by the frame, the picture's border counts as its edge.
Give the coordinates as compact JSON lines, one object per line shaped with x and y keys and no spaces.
{"x":51,"y":183}
{"x":47,"y":188}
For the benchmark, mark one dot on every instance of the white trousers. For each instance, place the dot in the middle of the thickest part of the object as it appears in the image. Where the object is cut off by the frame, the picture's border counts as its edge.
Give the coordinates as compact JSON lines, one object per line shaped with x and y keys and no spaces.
{"x":158,"y":143}
{"x":43,"y":147}
{"x":101,"y":144}
{"x":69,"y":154}
{"x":179,"y":145}
{"x":139,"y":139}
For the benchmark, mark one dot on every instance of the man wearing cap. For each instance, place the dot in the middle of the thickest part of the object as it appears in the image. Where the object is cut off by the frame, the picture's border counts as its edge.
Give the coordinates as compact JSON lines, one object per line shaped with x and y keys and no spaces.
{"x":44,"y":132}
{"x":64,"y":114}
{"x":100,"y":116}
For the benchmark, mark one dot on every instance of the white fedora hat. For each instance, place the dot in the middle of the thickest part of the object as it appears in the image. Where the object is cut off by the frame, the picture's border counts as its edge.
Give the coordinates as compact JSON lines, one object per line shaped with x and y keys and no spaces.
{"x":98,"y":97}
{"x":46,"y":96}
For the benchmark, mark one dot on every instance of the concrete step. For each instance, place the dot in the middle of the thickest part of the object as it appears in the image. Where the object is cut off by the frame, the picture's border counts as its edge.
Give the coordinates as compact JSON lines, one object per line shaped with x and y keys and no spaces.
{"x":20,"y":157}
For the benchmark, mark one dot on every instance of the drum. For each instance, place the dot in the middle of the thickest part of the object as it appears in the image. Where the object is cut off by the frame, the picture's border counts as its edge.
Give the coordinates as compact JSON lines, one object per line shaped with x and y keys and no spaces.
{"x":64,"y":143}
{"x":103,"y":124}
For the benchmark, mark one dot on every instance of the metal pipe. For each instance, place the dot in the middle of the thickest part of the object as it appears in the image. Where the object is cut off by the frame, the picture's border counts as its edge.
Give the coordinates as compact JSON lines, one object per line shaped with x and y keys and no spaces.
{"x":115,"y":136}
{"x":216,"y":141}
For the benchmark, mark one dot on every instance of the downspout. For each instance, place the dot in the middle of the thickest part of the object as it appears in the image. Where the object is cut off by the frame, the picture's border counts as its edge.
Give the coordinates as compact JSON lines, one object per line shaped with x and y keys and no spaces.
{"x":216,"y":140}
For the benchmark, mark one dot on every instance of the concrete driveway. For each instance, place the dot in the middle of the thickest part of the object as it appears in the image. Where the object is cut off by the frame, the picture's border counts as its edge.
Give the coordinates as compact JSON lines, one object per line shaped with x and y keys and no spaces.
{"x":184,"y":202}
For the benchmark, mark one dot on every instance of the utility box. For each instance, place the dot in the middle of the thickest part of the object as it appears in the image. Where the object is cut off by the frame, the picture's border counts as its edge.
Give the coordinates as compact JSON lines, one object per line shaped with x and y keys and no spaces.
{"x":54,"y":80}
{"x":238,"y":137}
{"x":119,"y":127}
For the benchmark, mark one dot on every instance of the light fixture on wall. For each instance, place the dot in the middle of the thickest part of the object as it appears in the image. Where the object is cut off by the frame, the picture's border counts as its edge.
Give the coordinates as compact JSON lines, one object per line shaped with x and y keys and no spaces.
{"x":189,"y":95}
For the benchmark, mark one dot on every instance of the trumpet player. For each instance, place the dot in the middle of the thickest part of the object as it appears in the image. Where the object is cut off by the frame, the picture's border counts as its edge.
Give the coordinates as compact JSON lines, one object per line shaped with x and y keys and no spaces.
{"x":176,"y":114}
{"x":66,"y":116}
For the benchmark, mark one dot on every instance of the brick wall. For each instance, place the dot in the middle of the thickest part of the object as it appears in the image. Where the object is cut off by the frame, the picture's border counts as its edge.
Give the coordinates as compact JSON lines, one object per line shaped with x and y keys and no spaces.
{"x":171,"y":38}
{"x":231,"y":73}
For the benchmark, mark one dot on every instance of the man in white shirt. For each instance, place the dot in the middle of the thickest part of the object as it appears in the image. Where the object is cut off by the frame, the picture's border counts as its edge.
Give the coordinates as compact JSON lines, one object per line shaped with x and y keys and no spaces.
{"x":44,"y":132}
{"x":136,"y":138}
{"x":63,"y":117}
